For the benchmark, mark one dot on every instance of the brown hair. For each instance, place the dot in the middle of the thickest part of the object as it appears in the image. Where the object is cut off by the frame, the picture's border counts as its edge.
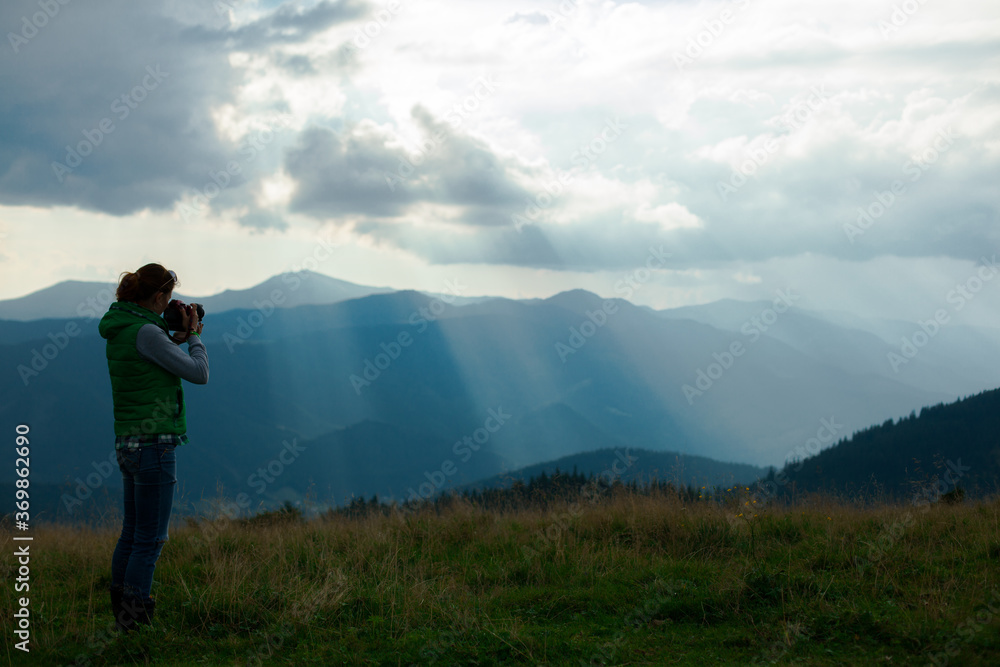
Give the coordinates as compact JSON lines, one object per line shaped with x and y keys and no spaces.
{"x":144,"y":283}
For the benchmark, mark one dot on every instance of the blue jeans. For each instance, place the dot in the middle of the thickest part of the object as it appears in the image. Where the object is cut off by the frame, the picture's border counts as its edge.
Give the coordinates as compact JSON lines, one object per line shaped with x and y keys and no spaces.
{"x":149,"y":474}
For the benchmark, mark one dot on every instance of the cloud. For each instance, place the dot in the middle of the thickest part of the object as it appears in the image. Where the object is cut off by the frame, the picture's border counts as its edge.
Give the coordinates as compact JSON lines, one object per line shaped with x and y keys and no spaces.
{"x":342,"y":174}
{"x":366,"y":170}
{"x":259,"y":220}
{"x":732,"y":159}
{"x":88,"y":125}
{"x":297,"y":64}
{"x":533,"y":18}
{"x":291,"y":23}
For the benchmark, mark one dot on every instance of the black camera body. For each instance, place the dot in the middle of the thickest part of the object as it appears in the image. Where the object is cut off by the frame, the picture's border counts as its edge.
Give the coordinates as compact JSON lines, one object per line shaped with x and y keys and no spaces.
{"x":174,"y":317}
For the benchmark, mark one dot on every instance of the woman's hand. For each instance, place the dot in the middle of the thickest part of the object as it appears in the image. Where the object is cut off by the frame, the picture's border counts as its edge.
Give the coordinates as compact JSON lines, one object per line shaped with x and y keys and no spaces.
{"x":193,"y":323}
{"x":189,"y":318}
{"x":189,"y":322}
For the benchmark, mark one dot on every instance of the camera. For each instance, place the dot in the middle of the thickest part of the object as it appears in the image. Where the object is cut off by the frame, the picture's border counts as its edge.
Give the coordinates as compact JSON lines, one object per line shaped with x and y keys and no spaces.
{"x":174,"y":315}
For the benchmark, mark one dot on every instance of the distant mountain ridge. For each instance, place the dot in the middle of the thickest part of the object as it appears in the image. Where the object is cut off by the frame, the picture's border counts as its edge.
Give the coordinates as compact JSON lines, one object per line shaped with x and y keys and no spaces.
{"x":960,"y":360}
{"x":76,"y":298}
{"x":641,"y":465}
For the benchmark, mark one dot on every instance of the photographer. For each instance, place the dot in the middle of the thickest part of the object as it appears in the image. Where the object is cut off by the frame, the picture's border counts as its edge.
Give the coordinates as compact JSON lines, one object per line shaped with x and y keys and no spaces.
{"x":146,"y":365}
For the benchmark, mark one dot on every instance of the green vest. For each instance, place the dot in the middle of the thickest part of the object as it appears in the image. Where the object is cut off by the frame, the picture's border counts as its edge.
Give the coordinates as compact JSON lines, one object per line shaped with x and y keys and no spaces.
{"x":148,"y":399}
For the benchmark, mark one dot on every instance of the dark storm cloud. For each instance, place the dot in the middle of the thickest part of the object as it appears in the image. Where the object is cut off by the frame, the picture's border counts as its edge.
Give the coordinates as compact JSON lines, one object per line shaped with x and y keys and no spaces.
{"x":360,"y":171}
{"x":338,"y":175}
{"x":464,"y":170}
{"x":108,"y":105}
{"x":87,"y":68}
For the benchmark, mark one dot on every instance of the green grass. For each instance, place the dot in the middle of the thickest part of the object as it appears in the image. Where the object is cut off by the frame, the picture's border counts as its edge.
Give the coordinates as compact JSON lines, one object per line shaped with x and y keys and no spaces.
{"x":630,"y":580}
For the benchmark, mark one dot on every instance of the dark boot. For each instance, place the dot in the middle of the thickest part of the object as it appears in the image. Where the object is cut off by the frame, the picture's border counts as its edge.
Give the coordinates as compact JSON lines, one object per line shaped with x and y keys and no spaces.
{"x":135,"y":611}
{"x":116,"y":602}
{"x":145,"y":616}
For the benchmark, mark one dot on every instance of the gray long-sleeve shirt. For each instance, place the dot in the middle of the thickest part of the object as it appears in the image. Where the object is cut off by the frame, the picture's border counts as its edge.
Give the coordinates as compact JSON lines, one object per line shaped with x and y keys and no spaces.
{"x":153,"y":344}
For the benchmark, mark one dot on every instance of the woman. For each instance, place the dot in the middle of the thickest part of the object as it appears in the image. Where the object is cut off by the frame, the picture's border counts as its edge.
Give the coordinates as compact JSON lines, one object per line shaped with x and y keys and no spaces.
{"x":146,"y":365}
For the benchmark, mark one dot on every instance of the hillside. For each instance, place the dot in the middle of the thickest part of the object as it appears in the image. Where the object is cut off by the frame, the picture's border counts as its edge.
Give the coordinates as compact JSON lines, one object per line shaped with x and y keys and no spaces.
{"x":640,"y":465}
{"x":903,"y":457}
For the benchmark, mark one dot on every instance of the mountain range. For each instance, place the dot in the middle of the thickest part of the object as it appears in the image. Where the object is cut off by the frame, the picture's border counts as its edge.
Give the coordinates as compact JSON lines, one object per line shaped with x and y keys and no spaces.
{"x":390,"y":390}
{"x":77,"y":298}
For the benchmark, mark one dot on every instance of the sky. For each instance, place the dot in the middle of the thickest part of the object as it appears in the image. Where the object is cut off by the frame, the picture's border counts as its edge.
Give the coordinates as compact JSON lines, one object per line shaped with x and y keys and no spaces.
{"x":705,"y":150}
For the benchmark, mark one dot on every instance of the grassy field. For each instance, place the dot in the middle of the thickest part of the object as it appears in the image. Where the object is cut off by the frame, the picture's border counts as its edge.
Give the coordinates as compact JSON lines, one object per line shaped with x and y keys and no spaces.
{"x":619,"y":580}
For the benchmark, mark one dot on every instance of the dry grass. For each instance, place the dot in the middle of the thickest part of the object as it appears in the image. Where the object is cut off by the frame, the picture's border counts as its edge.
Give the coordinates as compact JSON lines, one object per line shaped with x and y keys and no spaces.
{"x":517,"y":585}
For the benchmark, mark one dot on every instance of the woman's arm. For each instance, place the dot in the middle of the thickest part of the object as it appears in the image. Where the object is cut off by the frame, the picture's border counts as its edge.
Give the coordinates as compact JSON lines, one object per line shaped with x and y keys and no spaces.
{"x":153,"y":344}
